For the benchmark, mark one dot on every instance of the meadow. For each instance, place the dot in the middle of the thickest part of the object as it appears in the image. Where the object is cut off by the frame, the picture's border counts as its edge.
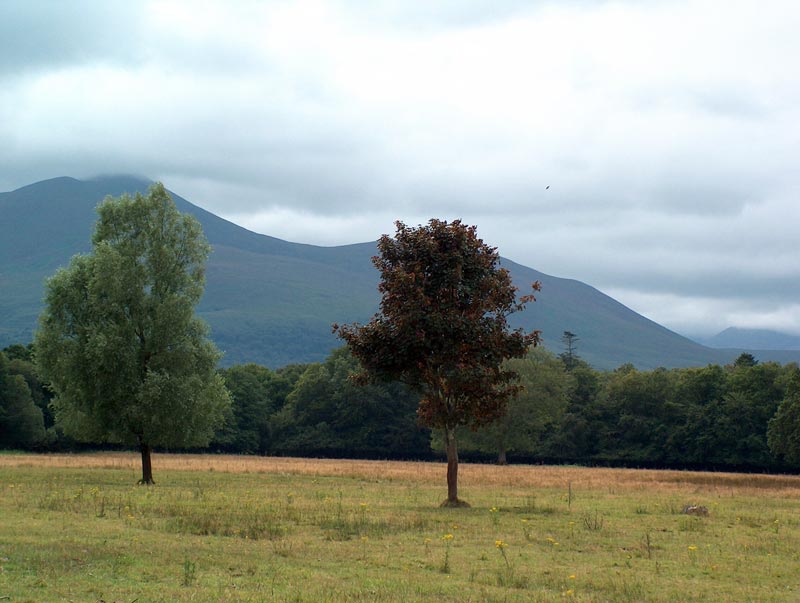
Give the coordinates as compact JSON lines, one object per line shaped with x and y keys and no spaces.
{"x":226,"y":528}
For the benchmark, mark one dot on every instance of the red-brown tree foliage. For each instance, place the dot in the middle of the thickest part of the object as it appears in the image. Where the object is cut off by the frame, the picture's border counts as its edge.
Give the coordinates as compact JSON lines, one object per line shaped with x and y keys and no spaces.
{"x":442,"y":328}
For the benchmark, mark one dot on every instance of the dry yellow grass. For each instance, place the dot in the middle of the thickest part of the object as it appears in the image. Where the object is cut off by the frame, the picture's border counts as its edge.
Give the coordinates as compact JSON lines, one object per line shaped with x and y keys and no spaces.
{"x":521,"y":476}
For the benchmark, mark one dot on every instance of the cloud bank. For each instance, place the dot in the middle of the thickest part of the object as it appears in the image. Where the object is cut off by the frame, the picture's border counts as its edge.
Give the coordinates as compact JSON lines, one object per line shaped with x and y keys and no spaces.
{"x":667,"y":133}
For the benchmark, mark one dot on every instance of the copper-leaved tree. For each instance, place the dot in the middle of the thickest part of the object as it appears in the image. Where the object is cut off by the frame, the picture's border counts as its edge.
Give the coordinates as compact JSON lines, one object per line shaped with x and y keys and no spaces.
{"x":442,"y":329}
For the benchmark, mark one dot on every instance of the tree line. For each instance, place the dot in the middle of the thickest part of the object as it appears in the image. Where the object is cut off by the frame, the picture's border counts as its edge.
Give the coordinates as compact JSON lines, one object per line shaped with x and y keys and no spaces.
{"x":740,"y":416}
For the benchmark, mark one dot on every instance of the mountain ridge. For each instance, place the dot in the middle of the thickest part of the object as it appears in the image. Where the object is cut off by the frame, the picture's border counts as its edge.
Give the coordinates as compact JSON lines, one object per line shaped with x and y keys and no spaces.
{"x":755,"y":339}
{"x":272,"y":301}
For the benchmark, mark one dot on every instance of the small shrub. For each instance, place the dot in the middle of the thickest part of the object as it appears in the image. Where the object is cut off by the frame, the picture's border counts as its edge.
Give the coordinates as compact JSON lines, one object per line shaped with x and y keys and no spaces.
{"x":593,"y":522}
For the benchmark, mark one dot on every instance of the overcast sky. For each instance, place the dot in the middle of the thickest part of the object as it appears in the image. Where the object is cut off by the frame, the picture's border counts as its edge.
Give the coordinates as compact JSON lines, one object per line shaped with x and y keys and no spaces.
{"x":668,"y":132}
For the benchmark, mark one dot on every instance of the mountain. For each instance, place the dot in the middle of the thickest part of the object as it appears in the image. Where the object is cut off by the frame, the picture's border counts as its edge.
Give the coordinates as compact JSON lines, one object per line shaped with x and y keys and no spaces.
{"x":272,"y":302}
{"x":267,"y":300}
{"x":753,"y":339}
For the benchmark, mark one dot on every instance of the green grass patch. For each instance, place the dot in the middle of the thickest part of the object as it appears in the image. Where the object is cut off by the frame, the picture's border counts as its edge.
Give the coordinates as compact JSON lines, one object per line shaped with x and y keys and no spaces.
{"x":74,"y":534}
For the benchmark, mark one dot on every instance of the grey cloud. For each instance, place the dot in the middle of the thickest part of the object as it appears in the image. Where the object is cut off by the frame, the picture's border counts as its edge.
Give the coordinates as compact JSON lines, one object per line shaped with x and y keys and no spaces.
{"x":712,"y":280}
{"x":732,"y":103}
{"x":657,"y":187}
{"x":40,"y":34}
{"x":435,"y":14}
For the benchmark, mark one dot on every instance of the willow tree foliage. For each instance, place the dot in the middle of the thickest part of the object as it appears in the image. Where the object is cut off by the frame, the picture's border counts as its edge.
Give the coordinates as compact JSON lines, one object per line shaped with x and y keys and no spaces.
{"x":127,"y":358}
{"x":442,"y":329}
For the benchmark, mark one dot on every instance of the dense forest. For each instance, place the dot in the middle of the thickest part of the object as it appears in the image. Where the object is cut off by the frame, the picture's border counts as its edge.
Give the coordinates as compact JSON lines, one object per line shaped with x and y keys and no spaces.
{"x":740,"y":416}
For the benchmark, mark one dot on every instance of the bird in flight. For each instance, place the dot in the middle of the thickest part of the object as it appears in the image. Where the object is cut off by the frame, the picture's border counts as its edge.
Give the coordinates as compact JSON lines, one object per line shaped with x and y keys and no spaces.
{"x":547,"y":188}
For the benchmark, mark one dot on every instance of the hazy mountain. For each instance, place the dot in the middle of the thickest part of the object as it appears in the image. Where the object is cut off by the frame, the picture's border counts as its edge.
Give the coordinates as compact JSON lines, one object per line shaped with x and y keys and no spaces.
{"x":272,"y":302}
{"x":752,"y":339}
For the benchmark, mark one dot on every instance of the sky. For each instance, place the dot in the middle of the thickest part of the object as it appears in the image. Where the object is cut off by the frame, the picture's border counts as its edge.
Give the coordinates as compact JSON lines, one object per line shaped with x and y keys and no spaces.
{"x":647,"y":148}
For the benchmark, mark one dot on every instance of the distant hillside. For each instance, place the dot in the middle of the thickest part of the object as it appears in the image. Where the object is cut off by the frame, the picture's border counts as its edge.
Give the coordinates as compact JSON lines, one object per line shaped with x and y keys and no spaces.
{"x":272,"y":302}
{"x":267,"y":300}
{"x":752,"y":339}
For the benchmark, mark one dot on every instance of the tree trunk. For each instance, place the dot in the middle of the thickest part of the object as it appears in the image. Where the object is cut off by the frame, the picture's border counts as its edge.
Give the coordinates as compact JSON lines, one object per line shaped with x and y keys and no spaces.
{"x":452,"y":465}
{"x":452,"y":470}
{"x":501,"y":455}
{"x":147,"y":467}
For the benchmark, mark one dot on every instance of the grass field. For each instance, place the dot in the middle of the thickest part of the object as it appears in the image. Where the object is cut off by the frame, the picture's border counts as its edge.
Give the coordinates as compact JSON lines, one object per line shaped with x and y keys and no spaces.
{"x":221,"y":528}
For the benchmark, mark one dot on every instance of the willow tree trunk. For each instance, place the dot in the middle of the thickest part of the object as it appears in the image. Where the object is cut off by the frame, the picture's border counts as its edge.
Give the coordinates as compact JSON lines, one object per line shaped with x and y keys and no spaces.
{"x":147,"y":466}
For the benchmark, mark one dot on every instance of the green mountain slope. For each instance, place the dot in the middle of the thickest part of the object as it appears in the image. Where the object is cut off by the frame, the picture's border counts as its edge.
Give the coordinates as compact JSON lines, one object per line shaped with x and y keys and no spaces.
{"x":272,"y":302}
{"x":609,"y":333}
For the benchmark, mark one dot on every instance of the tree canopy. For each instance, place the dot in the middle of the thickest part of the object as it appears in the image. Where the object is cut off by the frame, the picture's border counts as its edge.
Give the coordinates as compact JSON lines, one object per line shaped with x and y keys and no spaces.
{"x":21,"y":423}
{"x":257,"y":393}
{"x":326,"y":413}
{"x":783,"y":433}
{"x":531,"y":414}
{"x":442,"y":328}
{"x":118,"y":340}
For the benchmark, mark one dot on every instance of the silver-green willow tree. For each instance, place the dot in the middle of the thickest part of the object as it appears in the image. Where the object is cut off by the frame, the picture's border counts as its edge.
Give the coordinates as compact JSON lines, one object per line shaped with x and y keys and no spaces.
{"x":127,"y":359}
